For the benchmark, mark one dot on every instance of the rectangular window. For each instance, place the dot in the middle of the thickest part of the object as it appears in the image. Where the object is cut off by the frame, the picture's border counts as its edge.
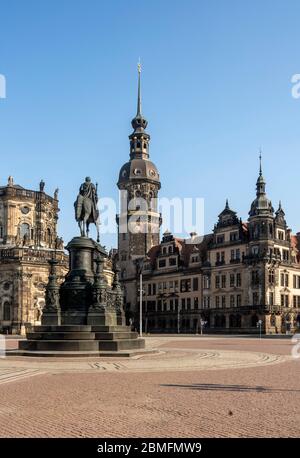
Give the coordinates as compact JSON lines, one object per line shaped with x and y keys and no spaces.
{"x":183,"y":304}
{"x":223,"y":301}
{"x":233,"y":236}
{"x":171,"y":304}
{"x":149,"y":289}
{"x":295,"y":301}
{"x":255,"y":298}
{"x":195,"y":284}
{"x":271,"y":298}
{"x":237,"y":253}
{"x":238,"y":300}
{"x":238,"y":280}
{"x":223,"y":281}
{"x":172,"y":262}
{"x":162,"y":263}
{"x":286,"y":279}
{"x":285,"y":255}
{"x":231,"y":280}
{"x":232,"y":301}
{"x":154,"y":289}
{"x":217,"y":302}
{"x":232,"y":255}
{"x":217,"y":281}
{"x":196,"y":302}
{"x":282,"y":300}
{"x":220,"y":238}
{"x":188,"y":303}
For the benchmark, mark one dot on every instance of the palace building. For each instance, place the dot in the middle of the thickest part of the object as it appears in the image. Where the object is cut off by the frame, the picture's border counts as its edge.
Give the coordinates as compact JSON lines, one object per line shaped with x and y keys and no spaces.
{"x":28,"y":239}
{"x":241,"y":276}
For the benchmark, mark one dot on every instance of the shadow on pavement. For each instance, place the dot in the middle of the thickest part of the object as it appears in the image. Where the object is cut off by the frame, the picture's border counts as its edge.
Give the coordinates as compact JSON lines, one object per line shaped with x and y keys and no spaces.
{"x":220,"y":387}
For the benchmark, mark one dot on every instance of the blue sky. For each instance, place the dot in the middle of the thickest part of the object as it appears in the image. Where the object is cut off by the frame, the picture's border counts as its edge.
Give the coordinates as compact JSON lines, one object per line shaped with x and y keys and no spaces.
{"x":216,"y":87}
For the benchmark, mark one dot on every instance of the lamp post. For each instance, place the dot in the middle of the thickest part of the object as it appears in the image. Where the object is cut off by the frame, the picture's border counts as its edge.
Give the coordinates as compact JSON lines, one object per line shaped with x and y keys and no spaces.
{"x":202,"y":324}
{"x":178,"y":318}
{"x":140,"y":265}
{"x":258,"y":324}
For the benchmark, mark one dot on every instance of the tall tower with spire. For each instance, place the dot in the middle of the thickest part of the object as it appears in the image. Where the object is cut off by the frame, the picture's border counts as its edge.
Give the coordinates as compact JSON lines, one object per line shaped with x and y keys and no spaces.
{"x":261,"y":219}
{"x":139,"y":221}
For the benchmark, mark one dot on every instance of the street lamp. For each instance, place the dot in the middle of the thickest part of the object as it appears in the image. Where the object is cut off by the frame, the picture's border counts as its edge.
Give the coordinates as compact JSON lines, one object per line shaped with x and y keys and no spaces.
{"x":140,"y":265}
{"x":202,"y":324}
{"x":258,"y":324}
{"x":178,"y":317}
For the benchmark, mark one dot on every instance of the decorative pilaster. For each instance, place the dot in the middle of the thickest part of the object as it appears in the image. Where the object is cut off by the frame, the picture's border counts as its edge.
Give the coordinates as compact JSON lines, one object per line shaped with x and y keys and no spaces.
{"x":51,"y":312}
{"x":99,"y":290}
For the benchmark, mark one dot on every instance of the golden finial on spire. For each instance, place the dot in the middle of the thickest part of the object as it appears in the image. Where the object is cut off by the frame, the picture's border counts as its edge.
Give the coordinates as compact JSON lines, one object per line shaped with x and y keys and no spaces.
{"x":139,"y":65}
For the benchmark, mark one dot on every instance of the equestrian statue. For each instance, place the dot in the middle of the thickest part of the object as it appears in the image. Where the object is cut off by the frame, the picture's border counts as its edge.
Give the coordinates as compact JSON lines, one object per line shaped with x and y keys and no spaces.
{"x":86,"y":209}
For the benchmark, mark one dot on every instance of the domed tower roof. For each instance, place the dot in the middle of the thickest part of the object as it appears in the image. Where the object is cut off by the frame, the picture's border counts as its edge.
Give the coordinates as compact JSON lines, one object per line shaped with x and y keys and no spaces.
{"x":139,"y":167}
{"x":261,"y":204}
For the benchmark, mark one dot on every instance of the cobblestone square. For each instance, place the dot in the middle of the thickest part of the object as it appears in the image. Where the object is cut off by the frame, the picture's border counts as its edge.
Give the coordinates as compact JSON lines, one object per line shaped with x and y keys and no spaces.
{"x":195,"y":386}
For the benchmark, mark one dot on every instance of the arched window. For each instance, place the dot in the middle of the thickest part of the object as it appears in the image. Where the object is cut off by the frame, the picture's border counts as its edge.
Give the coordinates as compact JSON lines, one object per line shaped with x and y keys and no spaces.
{"x":24,"y":230}
{"x":6,"y":311}
{"x":49,"y":237}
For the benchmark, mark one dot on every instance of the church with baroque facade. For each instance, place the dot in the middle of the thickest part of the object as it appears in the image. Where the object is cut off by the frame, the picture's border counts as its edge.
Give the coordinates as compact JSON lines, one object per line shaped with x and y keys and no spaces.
{"x":241,"y":276}
{"x":28,"y":239}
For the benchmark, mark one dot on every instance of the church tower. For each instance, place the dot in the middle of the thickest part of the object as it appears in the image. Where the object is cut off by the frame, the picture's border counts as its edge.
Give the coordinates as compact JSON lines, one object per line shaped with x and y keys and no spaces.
{"x":139,"y":221}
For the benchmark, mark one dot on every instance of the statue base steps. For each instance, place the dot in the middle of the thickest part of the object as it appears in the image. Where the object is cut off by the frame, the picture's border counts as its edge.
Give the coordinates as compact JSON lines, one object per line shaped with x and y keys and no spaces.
{"x":82,"y":339}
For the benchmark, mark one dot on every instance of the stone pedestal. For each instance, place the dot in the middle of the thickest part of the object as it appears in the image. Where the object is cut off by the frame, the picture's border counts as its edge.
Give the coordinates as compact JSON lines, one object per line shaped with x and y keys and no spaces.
{"x":102,"y":318}
{"x":51,"y":318}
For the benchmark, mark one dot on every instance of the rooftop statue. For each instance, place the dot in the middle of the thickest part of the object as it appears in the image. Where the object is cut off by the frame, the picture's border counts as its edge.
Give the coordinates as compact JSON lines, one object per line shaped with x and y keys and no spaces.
{"x":86,"y":210}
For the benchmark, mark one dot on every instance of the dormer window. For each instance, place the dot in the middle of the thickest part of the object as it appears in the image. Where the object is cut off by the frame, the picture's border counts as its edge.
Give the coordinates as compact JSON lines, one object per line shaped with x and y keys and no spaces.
{"x":162,"y":263}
